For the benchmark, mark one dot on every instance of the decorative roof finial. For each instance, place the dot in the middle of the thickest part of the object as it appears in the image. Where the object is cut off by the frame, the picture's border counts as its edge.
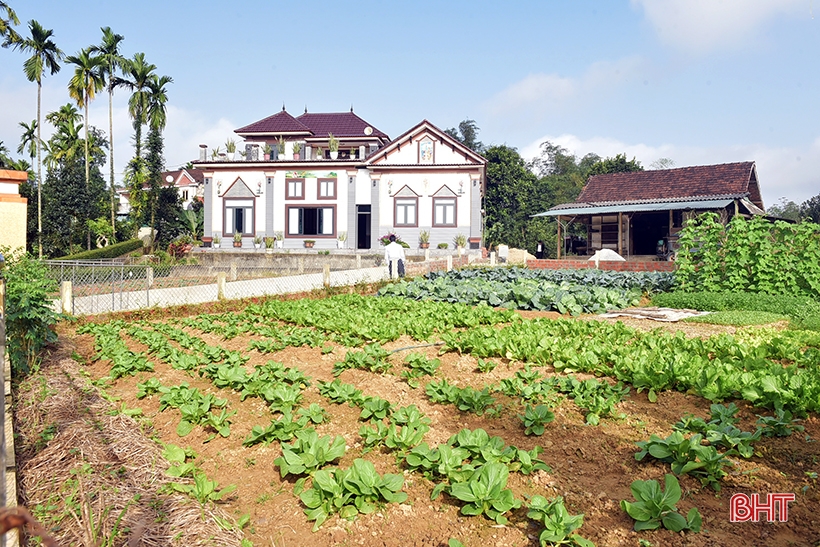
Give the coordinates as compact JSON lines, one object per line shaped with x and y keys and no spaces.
{"x":305,"y":109}
{"x":351,"y":107}
{"x":283,"y":107}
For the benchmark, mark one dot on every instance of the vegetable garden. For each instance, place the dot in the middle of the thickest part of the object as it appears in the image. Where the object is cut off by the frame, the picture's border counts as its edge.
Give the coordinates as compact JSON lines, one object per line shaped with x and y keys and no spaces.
{"x":432,"y":415}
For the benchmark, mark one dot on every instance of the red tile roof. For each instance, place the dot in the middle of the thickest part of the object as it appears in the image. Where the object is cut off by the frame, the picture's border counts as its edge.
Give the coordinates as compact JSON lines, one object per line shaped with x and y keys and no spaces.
{"x":668,"y":184}
{"x":195,"y":174}
{"x":341,"y":124}
{"x":281,"y":122}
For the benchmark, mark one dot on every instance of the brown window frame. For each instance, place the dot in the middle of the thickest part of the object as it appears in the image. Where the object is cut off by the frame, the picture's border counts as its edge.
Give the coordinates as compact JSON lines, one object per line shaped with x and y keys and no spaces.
{"x":455,"y":212}
{"x":287,"y":188}
{"x":396,"y":212}
{"x":319,"y":182}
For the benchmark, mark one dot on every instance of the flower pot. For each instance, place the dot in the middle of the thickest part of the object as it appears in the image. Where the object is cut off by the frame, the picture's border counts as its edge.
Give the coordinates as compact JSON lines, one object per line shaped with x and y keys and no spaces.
{"x":296,"y":155}
{"x":257,"y":245}
{"x":216,"y":244}
{"x":231,"y":155}
{"x":279,"y":244}
{"x":237,"y":244}
{"x":340,"y":244}
{"x":266,"y":156}
{"x":309,"y":244}
{"x":334,"y":154}
{"x":424,"y":245}
{"x":268,"y":250}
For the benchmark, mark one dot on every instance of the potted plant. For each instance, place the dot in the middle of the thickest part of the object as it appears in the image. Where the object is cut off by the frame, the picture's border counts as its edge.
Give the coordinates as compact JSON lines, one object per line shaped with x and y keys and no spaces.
{"x":461,"y":241}
{"x":320,"y":155}
{"x":341,"y":240}
{"x":297,"y":147}
{"x":269,"y":242}
{"x":353,"y":153}
{"x":266,"y":150}
{"x":257,"y":242}
{"x":230,"y":148}
{"x":424,"y":239}
{"x":279,"y":236}
{"x":280,"y":146}
{"x":309,"y":243}
{"x":217,"y":240}
{"x":442,"y":245}
{"x":215,"y":153}
{"x":333,"y":146}
{"x":237,"y":239}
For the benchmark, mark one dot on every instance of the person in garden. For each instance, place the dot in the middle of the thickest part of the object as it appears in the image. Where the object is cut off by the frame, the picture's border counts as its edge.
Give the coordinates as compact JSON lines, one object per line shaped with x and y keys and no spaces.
{"x":394,"y":251}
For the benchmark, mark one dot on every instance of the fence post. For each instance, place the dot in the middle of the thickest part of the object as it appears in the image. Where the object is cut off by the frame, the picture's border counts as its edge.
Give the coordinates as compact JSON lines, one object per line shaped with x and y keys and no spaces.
{"x":326,"y":276}
{"x":220,"y":286}
{"x":427,"y":254}
{"x":301,"y":262}
{"x":149,"y":276}
{"x":66,"y":298}
{"x":492,"y":258}
{"x":233,"y":271}
{"x":358,"y":261}
{"x":394,"y":269}
{"x":449,"y":262}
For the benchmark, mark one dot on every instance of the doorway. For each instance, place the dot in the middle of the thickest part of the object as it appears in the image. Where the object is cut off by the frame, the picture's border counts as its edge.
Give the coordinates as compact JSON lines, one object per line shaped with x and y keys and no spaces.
{"x":647,"y":229}
{"x":363,"y":226}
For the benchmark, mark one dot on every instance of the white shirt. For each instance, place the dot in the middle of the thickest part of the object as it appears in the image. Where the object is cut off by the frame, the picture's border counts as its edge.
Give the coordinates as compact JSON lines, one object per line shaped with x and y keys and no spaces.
{"x":393,"y":251}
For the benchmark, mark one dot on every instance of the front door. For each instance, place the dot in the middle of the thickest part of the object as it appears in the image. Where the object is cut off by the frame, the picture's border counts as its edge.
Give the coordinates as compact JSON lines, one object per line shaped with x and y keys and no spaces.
{"x":363,"y":226}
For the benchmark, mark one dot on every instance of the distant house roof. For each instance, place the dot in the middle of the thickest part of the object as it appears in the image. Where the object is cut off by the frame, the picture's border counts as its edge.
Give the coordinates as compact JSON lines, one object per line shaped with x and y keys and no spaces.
{"x":341,"y":124}
{"x":185,"y":177}
{"x":684,"y":182}
{"x":694,"y":187}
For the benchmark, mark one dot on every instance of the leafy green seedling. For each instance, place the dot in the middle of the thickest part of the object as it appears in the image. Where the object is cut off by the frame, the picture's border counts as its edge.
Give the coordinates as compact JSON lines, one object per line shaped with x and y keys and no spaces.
{"x":559,"y":525}
{"x":485,"y":493}
{"x":654,"y":508}
{"x":535,"y":419}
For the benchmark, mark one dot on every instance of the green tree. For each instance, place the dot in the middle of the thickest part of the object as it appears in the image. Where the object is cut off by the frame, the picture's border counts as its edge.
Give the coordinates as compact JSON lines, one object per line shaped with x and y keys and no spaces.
{"x":810,"y":209}
{"x":785,"y":208}
{"x":467,"y":134}
{"x":138,"y":75}
{"x":157,"y":118}
{"x":45,"y":56}
{"x":618,"y":164}
{"x":83,"y":87}
{"x":7,"y":23}
{"x":113,"y":63}
{"x":662,"y":163}
{"x":28,"y":140}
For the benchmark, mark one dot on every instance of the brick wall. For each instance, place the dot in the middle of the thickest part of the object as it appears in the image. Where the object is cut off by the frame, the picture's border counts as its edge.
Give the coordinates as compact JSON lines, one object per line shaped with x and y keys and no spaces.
{"x":618,"y":266}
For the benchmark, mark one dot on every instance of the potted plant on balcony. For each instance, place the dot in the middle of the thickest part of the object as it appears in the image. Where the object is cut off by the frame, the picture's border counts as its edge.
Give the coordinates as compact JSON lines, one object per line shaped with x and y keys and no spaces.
{"x":333,"y":146}
{"x":353,"y":153}
{"x":297,"y":147}
{"x":309,"y":243}
{"x":341,"y":240}
{"x":257,"y":242}
{"x":215,"y":152}
{"x":230,"y":148}
{"x":237,"y":239}
{"x":266,"y":150}
{"x":280,"y":147}
{"x":320,"y":155}
{"x":280,"y":239}
{"x":424,"y":239}
{"x":217,"y":240}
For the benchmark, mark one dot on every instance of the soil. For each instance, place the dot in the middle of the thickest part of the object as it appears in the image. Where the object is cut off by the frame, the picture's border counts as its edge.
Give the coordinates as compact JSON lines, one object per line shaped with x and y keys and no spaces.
{"x":592,"y":466}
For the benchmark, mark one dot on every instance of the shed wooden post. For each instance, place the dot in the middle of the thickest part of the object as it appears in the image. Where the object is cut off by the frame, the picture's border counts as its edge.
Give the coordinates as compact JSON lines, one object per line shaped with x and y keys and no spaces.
{"x":671,"y":220}
{"x":558,"y":246}
{"x":620,"y":233}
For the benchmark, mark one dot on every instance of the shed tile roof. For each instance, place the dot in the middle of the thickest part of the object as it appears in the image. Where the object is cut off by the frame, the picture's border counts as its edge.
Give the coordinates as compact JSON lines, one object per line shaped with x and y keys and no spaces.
{"x":667,"y":184}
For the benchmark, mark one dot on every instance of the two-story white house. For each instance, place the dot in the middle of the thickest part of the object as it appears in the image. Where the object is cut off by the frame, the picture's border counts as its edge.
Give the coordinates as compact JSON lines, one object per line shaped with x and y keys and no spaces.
{"x":321,"y":175}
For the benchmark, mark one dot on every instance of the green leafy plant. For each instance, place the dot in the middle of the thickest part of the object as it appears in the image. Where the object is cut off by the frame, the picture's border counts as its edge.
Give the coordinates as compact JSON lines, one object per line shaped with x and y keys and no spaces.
{"x":654,"y":507}
{"x":485,"y":493}
{"x":372,"y":358}
{"x":203,"y":490}
{"x":782,"y":424}
{"x":535,"y":419}
{"x":559,"y":525}
{"x":308,"y":453}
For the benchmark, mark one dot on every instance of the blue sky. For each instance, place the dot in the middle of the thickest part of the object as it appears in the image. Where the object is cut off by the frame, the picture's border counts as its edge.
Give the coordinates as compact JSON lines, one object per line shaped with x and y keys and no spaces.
{"x":697,"y":81}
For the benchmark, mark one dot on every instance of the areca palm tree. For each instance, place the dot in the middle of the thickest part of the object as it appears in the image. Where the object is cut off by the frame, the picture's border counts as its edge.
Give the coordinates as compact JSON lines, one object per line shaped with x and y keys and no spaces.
{"x":28,"y":140}
{"x":45,"y":56}
{"x":138,"y":74}
{"x":65,"y":113}
{"x":113,"y":62}
{"x":8,"y":34}
{"x":83,"y":87}
{"x":156,"y":116}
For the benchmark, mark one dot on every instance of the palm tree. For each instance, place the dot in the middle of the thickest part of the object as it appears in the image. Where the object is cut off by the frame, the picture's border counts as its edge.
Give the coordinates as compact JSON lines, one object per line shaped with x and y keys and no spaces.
{"x":137,"y":75}
{"x":45,"y":56}
{"x":67,"y":112}
{"x":113,"y":62}
{"x":83,"y":87}
{"x":28,"y":140}
{"x":156,"y":116}
{"x":9,"y":35}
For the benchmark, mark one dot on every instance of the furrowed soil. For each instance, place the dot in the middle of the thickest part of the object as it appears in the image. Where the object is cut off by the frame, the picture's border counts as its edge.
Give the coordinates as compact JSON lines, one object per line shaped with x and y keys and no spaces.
{"x":592,"y":467}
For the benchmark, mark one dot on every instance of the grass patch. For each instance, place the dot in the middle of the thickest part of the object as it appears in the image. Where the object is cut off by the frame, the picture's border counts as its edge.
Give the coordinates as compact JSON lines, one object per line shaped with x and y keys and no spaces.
{"x":738,"y":318}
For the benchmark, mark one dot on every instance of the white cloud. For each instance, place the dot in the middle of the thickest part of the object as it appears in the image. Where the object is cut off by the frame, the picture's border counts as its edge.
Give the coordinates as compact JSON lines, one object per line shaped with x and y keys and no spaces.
{"x":526,"y":102}
{"x":700,"y":26}
{"x":790,"y":172}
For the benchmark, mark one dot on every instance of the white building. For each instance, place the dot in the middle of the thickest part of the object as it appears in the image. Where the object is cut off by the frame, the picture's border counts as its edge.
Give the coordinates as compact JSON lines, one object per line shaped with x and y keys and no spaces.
{"x":291,"y":183}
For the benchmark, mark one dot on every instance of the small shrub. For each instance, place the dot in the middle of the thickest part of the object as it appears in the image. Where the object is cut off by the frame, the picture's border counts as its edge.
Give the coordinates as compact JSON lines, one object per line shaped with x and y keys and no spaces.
{"x":442,"y":245}
{"x":112,"y":251}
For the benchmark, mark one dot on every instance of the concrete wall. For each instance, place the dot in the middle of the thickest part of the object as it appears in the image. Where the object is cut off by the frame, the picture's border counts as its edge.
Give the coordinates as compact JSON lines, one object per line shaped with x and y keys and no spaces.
{"x":12,"y":209}
{"x":617,"y":266}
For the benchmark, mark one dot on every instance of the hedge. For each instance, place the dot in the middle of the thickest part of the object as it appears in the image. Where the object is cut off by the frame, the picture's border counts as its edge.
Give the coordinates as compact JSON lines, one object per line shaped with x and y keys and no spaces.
{"x":112,"y":251}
